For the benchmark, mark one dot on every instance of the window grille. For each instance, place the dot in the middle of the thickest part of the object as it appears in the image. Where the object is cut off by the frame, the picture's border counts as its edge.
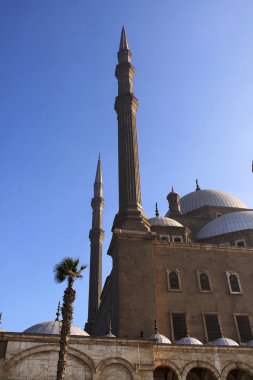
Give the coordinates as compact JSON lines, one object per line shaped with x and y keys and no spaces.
{"x":244,"y":328}
{"x":174,"y":281}
{"x":204,"y":282}
{"x":234,"y":283}
{"x":179,"y":325}
{"x":212,"y":326}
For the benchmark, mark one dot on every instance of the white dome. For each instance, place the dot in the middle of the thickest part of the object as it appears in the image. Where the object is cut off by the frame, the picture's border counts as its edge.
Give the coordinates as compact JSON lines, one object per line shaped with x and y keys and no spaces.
{"x":236,"y":221}
{"x":188,"y":340}
{"x":53,"y":327}
{"x":224,"y":342}
{"x":164,"y":221}
{"x":159,"y":339}
{"x":200,"y":198}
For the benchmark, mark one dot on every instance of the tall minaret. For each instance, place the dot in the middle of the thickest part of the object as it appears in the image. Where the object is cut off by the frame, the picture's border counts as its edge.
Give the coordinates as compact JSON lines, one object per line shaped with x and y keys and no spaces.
{"x":96,"y":241}
{"x":130,"y":215}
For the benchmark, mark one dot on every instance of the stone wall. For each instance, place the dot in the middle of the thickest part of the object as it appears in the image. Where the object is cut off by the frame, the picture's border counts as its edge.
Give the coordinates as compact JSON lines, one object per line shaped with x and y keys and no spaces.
{"x":35,"y":357}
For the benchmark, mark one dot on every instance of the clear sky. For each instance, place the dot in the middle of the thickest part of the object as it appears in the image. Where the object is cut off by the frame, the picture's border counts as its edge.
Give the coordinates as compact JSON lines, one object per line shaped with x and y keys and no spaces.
{"x":194,"y":82}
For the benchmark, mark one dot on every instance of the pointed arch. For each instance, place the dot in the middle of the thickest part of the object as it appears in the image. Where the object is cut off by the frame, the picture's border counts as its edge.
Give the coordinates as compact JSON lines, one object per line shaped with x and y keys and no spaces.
{"x":200,"y":364}
{"x":168,"y":364}
{"x":116,"y":360}
{"x":49,"y":348}
{"x":236,"y":365}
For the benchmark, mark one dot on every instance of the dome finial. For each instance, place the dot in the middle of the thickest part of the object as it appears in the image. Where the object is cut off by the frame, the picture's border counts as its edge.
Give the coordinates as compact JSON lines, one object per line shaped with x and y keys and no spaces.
{"x":172,"y":189}
{"x":156,"y":210}
{"x":186,"y":330}
{"x":1,"y":318}
{"x":220,"y":332}
{"x":58,"y":313}
{"x":110,"y":326}
{"x":197,"y":185}
{"x":155,"y":327}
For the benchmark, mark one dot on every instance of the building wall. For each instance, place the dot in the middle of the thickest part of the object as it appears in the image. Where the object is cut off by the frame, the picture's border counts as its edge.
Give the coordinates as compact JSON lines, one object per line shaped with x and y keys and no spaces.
{"x":188,"y":260}
{"x":142,"y":261}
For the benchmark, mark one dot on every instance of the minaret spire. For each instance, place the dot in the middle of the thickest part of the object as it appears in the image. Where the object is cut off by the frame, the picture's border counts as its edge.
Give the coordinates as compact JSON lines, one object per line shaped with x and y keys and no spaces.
{"x":123,"y":40}
{"x":130,"y":215}
{"x":96,"y":241}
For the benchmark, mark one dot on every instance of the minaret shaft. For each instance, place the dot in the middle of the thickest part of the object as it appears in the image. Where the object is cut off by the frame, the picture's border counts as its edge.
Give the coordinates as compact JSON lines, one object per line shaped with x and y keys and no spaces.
{"x":129,"y":177}
{"x":96,"y":242}
{"x":130,"y":215}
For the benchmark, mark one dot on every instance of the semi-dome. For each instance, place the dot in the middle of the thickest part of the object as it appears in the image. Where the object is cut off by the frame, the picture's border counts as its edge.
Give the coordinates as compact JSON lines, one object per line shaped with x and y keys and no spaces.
{"x":53,"y":327}
{"x":236,"y":221}
{"x":224,"y":342}
{"x":250,"y":343}
{"x":164,"y":221}
{"x":200,"y":198}
{"x":188,"y":341}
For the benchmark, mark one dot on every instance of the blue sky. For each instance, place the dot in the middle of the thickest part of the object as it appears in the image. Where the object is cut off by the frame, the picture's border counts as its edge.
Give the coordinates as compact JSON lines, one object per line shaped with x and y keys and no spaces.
{"x":194,"y":82}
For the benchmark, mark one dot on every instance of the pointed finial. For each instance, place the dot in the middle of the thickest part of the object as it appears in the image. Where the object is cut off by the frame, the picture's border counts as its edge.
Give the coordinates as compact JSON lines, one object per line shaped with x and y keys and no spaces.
{"x":155,"y":327}
{"x":186,"y":330}
{"x":197,"y":185}
{"x":99,"y":157}
{"x":123,"y":40}
{"x":0,"y":318}
{"x":109,"y":326}
{"x":220,"y":332}
{"x":156,"y":210}
{"x":172,"y":189}
{"x":58,"y":313}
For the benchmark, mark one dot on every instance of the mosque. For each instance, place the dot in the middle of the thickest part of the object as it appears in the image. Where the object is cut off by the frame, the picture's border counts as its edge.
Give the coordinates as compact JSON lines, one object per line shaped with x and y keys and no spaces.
{"x":177,"y":304}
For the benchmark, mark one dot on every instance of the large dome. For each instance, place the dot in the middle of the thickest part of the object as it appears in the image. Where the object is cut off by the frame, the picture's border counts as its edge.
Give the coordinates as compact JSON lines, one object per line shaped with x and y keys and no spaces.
{"x":53,"y":327}
{"x":200,"y":198}
{"x":236,"y":221}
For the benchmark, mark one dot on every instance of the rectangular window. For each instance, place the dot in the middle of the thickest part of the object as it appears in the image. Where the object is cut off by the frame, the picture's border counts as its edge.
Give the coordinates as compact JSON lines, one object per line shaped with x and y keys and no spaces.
{"x":244,"y":327}
{"x":179,"y":325}
{"x":212,"y":326}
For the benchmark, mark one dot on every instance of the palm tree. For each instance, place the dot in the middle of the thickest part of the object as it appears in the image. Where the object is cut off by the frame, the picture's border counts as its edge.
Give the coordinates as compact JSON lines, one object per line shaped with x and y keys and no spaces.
{"x":68,"y":269}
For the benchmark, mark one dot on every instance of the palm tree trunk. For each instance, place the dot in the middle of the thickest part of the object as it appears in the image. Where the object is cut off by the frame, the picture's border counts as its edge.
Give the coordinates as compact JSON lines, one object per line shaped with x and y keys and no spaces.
{"x":67,"y":316}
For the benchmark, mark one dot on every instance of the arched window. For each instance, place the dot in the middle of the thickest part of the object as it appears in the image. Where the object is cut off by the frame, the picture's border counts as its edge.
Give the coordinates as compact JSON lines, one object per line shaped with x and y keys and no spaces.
{"x":174,"y":281}
{"x":204,"y":282}
{"x":234,"y":284}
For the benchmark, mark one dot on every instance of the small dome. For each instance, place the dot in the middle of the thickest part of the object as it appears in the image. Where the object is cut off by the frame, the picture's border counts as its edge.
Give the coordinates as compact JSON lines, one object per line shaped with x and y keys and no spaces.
{"x":236,"y":221}
{"x":188,"y":341}
{"x":159,"y":339}
{"x":53,"y":327}
{"x":164,"y":221}
{"x":200,"y":198}
{"x":224,"y":342}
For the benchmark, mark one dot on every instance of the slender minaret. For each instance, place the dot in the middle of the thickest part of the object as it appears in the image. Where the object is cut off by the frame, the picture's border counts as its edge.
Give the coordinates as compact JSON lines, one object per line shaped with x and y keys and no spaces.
{"x":96,"y":241}
{"x":130,"y":215}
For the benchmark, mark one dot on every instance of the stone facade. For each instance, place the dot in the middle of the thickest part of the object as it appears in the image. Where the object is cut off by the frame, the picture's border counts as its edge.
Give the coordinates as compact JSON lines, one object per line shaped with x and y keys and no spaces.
{"x":34,"y":357}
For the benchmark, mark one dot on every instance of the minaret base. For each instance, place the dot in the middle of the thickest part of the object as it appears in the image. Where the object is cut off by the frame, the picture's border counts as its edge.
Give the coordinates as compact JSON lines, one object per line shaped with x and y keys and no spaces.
{"x":131,"y":219}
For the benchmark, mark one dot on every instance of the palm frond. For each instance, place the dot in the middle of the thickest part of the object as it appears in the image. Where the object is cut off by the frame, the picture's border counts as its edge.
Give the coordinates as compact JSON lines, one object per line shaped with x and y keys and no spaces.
{"x":67,"y":267}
